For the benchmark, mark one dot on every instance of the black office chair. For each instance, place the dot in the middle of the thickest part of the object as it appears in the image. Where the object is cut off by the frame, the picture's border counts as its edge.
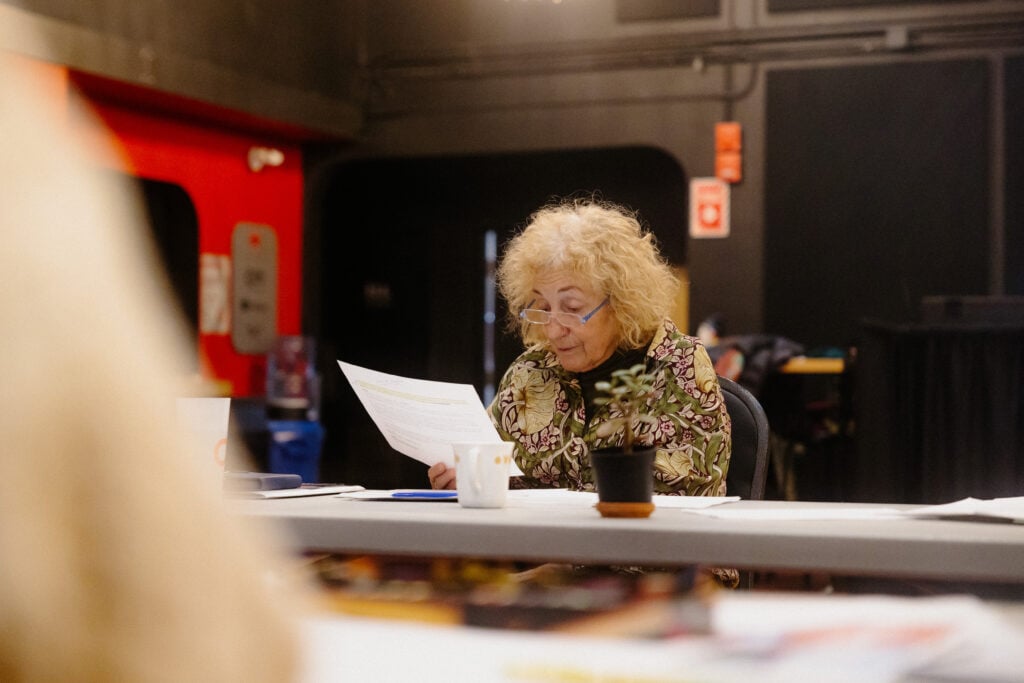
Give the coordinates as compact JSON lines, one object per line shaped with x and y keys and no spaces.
{"x":748,"y":469}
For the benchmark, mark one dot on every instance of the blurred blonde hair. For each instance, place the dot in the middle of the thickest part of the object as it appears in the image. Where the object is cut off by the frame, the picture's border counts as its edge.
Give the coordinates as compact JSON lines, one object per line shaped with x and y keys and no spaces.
{"x":116,"y":564}
{"x":604,"y":246}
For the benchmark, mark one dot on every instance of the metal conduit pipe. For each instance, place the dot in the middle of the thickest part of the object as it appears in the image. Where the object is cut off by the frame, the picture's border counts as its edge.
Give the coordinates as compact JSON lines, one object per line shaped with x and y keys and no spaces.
{"x":737,"y":46}
{"x":728,"y":49}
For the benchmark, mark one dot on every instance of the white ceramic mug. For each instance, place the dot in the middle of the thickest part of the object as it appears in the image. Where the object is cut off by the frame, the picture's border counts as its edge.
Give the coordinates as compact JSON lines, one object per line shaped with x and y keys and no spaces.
{"x":481,"y":473}
{"x":203,"y":425}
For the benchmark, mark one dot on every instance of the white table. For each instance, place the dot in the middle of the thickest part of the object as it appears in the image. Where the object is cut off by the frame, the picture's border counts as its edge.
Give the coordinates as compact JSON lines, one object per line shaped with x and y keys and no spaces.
{"x":952,"y":550}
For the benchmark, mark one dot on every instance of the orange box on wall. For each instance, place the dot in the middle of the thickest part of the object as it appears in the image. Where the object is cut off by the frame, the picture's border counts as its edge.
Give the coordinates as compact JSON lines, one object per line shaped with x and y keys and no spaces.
{"x":728,"y":136}
{"x":729,"y":166}
{"x":728,"y":154}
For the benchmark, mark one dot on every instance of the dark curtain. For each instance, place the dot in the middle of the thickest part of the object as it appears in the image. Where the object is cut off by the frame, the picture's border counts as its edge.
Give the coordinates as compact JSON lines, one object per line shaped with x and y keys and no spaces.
{"x":940,"y":413}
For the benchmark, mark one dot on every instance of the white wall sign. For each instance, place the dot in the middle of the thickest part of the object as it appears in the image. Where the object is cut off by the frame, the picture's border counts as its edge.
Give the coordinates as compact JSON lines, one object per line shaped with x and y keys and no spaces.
{"x":214,"y":293}
{"x":709,"y":208}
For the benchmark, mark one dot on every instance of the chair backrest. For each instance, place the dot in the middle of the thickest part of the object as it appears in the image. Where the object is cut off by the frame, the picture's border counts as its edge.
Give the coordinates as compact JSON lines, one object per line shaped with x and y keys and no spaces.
{"x":748,"y":469}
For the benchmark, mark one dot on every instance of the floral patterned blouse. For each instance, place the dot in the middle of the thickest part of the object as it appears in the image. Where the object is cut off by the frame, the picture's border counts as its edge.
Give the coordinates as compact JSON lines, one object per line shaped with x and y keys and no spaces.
{"x":540,"y":406}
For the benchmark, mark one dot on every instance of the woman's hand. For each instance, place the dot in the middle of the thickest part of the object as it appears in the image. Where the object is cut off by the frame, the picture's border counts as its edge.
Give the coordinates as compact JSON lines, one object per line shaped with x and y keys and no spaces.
{"x":441,"y":476}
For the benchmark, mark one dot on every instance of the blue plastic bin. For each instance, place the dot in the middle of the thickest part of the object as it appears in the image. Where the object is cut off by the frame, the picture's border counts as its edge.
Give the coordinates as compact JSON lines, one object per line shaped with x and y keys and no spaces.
{"x":295,"y":448}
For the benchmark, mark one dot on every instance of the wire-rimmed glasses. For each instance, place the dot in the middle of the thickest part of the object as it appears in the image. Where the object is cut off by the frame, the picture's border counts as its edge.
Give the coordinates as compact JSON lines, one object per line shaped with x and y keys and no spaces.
{"x":535,"y":316}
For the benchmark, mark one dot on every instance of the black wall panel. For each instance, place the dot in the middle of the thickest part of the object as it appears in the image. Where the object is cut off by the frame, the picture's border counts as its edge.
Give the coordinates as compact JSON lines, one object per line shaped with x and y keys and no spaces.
{"x":1014,"y":211}
{"x":800,"y":5}
{"x":649,"y":10}
{"x":876,"y":194}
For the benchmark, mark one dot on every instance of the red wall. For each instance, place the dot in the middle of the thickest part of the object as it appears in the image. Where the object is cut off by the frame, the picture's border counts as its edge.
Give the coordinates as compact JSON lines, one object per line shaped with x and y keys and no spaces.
{"x":209,"y":162}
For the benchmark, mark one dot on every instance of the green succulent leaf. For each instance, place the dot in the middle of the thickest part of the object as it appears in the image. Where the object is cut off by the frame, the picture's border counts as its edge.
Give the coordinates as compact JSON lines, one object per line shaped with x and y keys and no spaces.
{"x":626,"y":393}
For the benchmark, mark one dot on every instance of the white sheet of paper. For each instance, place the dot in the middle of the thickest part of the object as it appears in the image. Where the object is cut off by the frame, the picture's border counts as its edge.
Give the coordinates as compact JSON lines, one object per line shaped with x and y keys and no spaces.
{"x":692,"y":502}
{"x":801,"y":513}
{"x":528,"y":497}
{"x":1000,"y":508}
{"x":422,"y":418}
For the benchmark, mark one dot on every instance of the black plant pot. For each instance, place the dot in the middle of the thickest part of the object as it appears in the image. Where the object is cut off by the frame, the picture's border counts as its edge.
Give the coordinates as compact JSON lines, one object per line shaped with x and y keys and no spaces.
{"x":625,"y":481}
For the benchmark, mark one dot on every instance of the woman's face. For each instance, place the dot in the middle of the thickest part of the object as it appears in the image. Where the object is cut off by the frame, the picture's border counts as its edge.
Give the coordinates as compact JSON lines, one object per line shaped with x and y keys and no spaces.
{"x":579,"y":347}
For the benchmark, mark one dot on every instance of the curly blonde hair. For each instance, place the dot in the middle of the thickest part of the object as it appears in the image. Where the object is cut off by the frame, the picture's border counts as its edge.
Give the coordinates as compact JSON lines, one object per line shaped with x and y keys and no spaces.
{"x":606,"y":247}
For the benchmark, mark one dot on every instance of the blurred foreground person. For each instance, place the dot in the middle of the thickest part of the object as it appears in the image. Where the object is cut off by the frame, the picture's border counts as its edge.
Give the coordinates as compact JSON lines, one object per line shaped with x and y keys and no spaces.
{"x":116,"y":564}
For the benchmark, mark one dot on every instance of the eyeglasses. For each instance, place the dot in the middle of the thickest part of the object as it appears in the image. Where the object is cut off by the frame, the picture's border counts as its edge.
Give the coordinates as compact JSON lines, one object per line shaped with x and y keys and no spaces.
{"x":535,"y":316}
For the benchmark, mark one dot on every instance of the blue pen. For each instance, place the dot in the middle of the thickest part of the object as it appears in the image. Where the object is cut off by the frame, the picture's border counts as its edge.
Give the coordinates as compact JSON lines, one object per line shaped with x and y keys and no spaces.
{"x":424,"y":494}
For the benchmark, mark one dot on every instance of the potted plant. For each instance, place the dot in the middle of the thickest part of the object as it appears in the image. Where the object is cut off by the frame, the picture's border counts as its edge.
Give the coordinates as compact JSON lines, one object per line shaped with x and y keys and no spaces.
{"x":623,"y":474}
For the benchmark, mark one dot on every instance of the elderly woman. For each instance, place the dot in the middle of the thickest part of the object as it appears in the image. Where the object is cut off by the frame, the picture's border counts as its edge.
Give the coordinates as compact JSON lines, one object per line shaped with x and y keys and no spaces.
{"x":590,"y":293}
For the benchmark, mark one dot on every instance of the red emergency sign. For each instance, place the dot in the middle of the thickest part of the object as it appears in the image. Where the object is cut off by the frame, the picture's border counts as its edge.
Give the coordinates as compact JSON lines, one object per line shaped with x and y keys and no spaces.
{"x":709,"y":207}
